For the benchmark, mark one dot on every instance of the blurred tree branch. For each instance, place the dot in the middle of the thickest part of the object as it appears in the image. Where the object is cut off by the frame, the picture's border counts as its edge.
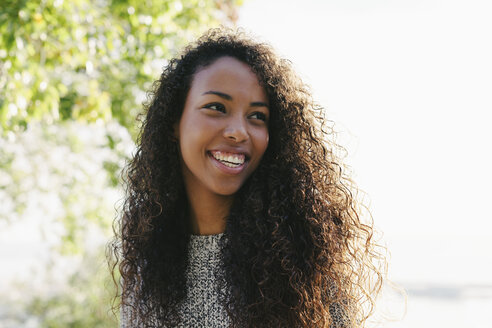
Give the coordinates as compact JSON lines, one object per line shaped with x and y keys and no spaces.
{"x":92,"y":60}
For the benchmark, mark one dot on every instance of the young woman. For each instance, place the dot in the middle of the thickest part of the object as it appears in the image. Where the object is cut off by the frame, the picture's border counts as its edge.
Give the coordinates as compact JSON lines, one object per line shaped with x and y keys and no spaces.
{"x":238,"y":213}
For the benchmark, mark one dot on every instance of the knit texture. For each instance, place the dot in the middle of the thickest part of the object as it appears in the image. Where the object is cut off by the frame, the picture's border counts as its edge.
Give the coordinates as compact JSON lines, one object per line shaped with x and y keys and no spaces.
{"x":201,"y":307}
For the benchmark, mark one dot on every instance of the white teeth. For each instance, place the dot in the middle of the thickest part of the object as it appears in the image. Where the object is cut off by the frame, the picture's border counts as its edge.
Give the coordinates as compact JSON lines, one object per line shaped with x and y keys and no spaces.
{"x":230,"y":165}
{"x":230,"y":160}
{"x":233,"y":159}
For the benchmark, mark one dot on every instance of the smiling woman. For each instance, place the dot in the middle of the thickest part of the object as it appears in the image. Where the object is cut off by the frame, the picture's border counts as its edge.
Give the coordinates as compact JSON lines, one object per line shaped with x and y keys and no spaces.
{"x":238,"y":213}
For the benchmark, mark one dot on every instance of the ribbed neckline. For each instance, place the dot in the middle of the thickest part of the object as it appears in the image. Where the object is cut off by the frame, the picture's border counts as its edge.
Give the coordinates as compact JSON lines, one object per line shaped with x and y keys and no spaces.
{"x":210,"y":242}
{"x":204,"y":236}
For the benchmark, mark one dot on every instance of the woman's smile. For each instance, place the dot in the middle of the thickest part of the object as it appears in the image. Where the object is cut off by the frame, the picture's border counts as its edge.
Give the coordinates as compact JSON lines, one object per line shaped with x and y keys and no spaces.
{"x":229,"y":163}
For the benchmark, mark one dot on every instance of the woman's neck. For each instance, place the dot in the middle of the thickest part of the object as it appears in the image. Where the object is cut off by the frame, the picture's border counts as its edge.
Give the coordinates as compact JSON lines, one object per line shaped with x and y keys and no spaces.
{"x":208,"y":212}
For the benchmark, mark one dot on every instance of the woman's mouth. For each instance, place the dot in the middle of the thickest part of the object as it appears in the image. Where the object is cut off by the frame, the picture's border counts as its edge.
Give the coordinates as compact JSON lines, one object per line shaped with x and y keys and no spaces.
{"x":232,"y":163}
{"x":229,"y":159}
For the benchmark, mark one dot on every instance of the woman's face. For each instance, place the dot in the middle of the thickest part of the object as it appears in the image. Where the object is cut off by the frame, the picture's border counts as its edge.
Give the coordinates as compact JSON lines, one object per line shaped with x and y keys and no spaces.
{"x":223,"y":131}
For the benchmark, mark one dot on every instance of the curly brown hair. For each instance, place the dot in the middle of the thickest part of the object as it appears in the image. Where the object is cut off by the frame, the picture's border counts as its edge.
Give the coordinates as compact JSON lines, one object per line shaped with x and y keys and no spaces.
{"x":297,"y":253}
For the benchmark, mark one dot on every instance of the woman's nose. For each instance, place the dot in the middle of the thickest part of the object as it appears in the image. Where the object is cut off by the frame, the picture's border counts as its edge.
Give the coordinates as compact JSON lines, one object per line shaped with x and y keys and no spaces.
{"x":236,"y":130}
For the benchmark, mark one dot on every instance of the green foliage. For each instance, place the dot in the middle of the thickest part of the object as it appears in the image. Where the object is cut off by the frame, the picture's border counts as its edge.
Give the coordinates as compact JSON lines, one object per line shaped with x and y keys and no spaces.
{"x":91,"y":60}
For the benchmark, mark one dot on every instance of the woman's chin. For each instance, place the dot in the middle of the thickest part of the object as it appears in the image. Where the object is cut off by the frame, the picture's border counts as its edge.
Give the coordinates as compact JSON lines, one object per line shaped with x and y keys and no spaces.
{"x":226,"y":190}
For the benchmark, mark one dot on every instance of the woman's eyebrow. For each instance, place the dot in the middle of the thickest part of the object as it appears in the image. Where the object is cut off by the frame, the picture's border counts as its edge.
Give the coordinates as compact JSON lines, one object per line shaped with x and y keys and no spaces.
{"x":218,"y":93}
{"x":228,"y":97}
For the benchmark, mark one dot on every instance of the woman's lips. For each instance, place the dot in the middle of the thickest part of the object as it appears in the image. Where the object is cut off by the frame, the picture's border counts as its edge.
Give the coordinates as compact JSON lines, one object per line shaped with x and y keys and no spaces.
{"x":227,"y":156}
{"x":226,"y":169}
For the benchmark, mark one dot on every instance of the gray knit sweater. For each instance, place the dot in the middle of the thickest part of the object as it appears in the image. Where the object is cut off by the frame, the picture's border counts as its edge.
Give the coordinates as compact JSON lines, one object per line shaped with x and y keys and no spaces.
{"x":201,"y":308}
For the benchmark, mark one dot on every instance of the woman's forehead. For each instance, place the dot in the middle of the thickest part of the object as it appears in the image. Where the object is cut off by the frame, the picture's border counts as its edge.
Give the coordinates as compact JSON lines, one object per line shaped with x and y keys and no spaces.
{"x":227,"y":73}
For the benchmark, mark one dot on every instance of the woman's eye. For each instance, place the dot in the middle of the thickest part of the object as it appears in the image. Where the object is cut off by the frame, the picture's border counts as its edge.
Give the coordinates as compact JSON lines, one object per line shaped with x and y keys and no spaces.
{"x":215,"y":106}
{"x":259,"y":116}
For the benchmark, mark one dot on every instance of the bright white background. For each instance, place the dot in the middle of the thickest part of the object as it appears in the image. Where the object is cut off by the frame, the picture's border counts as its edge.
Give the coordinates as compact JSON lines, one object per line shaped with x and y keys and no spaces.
{"x":409,"y":86}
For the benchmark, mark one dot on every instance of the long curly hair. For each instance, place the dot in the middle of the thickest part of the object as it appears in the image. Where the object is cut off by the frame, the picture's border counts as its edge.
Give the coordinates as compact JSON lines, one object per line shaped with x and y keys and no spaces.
{"x":297,"y":252}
